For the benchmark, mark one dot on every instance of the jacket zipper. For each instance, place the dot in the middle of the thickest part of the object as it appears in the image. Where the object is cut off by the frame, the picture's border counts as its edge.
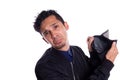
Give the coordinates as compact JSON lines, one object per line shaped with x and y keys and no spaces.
{"x":72,"y":70}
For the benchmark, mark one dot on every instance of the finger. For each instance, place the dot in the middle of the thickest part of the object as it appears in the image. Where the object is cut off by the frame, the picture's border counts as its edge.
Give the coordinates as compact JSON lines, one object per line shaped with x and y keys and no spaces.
{"x":116,"y":50}
{"x":89,"y":38}
{"x":113,"y":46}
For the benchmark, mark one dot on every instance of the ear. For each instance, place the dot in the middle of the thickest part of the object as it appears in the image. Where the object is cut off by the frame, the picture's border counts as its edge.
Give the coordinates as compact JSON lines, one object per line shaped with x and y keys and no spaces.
{"x":66,"y":25}
{"x":45,"y":40}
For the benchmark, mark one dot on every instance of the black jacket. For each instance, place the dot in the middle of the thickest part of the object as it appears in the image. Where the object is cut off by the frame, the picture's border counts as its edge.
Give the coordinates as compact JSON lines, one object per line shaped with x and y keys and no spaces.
{"x":54,"y":66}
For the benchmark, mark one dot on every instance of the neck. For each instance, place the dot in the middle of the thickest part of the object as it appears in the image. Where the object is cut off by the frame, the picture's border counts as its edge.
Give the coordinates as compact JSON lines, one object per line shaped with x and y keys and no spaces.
{"x":65,"y":48}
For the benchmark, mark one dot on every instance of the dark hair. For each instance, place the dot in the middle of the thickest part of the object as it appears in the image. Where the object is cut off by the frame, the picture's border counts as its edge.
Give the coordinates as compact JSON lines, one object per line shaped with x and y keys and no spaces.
{"x":43,"y":15}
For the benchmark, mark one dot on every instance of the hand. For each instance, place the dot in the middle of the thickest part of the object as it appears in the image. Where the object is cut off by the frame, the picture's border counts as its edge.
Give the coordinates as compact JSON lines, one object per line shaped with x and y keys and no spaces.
{"x":89,"y":41}
{"x":112,"y":53}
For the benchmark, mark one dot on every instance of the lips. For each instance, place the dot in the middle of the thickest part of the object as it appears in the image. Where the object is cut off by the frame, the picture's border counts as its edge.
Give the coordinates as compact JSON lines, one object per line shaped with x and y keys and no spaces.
{"x":57,"y":41}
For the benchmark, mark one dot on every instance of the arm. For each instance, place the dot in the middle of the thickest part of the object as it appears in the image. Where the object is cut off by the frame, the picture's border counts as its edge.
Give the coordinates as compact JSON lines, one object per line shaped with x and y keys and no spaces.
{"x":102,"y":72}
{"x":102,"y":69}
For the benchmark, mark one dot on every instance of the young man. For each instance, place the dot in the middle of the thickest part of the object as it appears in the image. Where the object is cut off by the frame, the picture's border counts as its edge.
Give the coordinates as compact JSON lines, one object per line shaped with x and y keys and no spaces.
{"x":63,"y":61}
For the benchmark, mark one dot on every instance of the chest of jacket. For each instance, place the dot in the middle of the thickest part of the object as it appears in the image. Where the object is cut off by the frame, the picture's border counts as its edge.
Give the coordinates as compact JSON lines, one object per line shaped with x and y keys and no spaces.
{"x":78,"y":68}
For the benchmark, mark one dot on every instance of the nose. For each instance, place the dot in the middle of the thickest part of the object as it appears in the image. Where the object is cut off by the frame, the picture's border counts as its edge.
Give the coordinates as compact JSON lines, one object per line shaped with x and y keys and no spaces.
{"x":53,"y":34}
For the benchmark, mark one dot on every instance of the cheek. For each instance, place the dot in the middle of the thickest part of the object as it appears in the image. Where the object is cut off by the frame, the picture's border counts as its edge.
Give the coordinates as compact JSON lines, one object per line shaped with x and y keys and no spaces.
{"x":46,"y":39}
{"x":50,"y":41}
{"x":64,"y":34}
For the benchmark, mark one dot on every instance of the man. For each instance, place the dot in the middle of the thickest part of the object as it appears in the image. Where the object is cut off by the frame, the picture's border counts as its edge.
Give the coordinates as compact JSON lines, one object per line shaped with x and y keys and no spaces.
{"x":63,"y":61}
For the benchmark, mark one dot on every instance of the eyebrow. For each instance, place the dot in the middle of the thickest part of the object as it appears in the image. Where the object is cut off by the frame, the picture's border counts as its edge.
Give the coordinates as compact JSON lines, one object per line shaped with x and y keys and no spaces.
{"x":54,"y":24}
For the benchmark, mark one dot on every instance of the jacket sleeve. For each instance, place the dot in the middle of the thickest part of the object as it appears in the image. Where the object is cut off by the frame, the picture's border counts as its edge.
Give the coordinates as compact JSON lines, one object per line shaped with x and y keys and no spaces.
{"x":101,"y":68}
{"x":102,"y":72}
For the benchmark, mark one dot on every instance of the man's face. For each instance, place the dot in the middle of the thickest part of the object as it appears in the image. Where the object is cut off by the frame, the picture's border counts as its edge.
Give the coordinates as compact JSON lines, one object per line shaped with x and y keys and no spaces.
{"x":54,"y":32}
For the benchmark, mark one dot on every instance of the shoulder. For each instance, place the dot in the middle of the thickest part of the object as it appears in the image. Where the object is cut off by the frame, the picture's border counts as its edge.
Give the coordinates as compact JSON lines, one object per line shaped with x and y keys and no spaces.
{"x":45,"y":57}
{"x":78,"y":51}
{"x":44,"y":64}
{"x":76,"y":48}
{"x":49,"y":60}
{"x":49,"y":57}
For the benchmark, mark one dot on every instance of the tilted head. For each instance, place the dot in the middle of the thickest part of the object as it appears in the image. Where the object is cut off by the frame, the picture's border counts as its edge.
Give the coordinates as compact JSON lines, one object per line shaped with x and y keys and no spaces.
{"x":53,"y":29}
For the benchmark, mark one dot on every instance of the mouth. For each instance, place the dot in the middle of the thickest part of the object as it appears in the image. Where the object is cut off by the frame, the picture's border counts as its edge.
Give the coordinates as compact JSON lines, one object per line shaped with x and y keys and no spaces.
{"x":57,"y":42}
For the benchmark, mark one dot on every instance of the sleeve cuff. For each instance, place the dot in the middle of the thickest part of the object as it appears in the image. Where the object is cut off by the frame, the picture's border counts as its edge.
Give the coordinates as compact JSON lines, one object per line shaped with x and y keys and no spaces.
{"x":107,"y":66}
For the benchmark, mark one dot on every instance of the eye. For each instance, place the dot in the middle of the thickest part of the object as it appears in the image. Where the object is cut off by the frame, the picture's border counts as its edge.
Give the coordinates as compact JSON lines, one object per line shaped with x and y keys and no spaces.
{"x":55,"y":26}
{"x":46,"y":33}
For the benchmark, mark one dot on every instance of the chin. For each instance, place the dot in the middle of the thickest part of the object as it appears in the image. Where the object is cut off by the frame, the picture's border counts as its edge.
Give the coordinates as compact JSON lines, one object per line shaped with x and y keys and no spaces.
{"x":59,"y":46}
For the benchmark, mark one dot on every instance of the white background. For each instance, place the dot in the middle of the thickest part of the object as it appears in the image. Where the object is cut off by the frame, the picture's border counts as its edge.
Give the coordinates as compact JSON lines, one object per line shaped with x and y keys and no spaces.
{"x":21,"y":46}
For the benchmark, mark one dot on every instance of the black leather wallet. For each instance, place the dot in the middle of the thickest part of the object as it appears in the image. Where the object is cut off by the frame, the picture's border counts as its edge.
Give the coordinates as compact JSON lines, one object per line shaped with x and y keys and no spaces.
{"x":102,"y":44}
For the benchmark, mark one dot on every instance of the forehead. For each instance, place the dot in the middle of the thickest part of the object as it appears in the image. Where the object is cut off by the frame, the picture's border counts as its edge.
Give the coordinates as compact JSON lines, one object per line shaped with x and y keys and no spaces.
{"x":49,"y":21}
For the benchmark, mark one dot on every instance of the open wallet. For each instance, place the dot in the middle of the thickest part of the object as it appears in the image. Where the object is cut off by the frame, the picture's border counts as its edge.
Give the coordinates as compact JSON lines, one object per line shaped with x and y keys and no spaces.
{"x":101,"y":44}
